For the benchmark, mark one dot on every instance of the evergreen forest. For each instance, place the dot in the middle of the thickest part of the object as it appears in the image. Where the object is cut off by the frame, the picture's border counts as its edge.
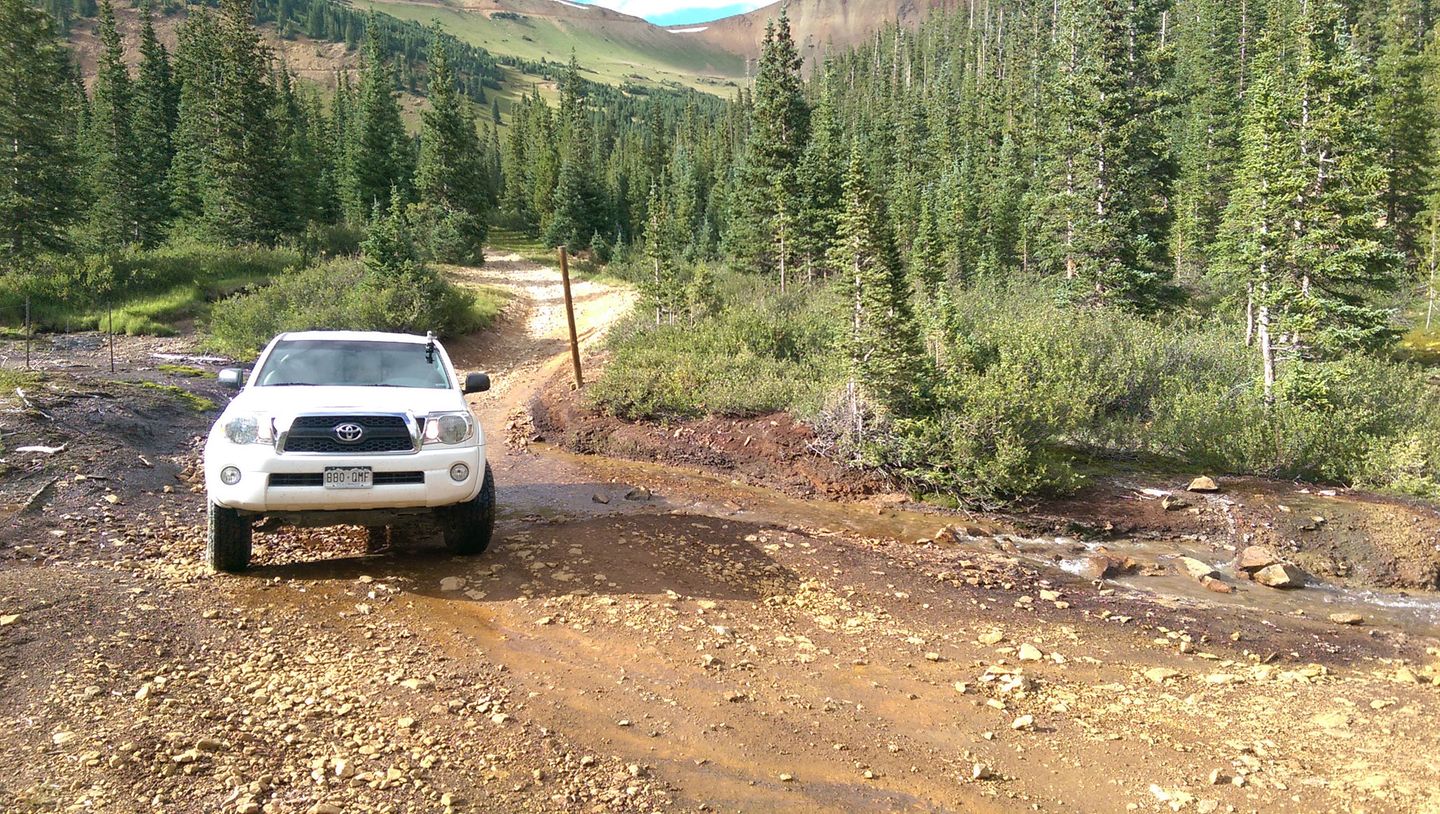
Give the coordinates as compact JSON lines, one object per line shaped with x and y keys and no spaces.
{"x":990,"y":256}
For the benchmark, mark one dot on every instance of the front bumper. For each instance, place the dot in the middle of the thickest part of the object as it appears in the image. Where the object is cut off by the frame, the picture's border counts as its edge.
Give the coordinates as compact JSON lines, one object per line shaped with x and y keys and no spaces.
{"x":257,"y":462}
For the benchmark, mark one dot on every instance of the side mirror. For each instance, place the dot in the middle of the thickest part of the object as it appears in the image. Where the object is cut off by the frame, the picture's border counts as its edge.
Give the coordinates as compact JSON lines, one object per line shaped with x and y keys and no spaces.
{"x":232,"y":377}
{"x":477,"y":383}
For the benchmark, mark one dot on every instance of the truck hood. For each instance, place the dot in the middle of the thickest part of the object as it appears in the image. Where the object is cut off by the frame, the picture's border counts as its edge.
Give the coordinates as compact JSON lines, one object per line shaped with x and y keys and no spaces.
{"x":292,"y":401}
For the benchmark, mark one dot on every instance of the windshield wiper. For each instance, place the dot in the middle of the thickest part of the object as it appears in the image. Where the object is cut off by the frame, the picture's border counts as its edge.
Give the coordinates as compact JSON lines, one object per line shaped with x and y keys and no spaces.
{"x":291,"y":384}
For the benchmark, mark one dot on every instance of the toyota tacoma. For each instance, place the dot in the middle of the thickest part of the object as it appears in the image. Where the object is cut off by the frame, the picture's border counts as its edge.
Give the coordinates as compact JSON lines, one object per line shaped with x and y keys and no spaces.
{"x":347,"y":427}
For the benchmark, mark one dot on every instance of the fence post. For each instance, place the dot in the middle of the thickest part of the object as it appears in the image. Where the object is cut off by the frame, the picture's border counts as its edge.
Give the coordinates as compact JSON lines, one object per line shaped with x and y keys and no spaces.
{"x":111,"y":315}
{"x":27,"y":331}
{"x":570,"y":317}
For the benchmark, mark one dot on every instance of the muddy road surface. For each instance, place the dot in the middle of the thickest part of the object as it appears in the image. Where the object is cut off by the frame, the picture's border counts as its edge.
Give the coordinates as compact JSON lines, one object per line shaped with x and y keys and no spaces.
{"x":643,"y":638}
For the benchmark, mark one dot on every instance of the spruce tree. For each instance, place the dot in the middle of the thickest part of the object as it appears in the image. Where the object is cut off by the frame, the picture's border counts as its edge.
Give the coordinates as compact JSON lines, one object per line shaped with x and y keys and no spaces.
{"x":451,"y":177}
{"x":37,"y":190}
{"x":1304,"y":226}
{"x":379,"y":150}
{"x":113,"y":171}
{"x":767,"y":194}
{"x":1405,"y":122}
{"x":880,"y":340}
{"x":153,"y":120}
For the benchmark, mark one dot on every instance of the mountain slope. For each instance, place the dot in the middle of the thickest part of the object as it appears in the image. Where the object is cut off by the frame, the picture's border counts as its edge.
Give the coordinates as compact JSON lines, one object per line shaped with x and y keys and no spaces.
{"x":611,"y":47}
{"x":817,"y":24}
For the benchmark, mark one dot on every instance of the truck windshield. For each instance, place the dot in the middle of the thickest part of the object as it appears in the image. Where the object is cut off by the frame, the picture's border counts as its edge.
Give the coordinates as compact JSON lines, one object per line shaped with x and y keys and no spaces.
{"x":352,"y":363}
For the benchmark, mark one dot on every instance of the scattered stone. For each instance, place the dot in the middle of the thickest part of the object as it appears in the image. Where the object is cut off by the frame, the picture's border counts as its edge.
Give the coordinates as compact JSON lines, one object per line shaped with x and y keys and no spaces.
{"x":1160,"y":675}
{"x":981,"y":772}
{"x":452,"y":584}
{"x":1029,"y":652}
{"x":1103,"y":564}
{"x":1217,"y":585}
{"x":787,"y":778}
{"x":61,"y":738}
{"x":326,"y":808}
{"x":1203,"y":484}
{"x":599,"y":498}
{"x":1346,"y":618}
{"x":9,"y":619}
{"x":1255,"y":557}
{"x":1170,"y":503}
{"x":1281,"y":575}
{"x":1197,"y":569}
{"x":1023,"y":723}
{"x":932,"y":656}
{"x":1218,"y":778}
{"x":638,"y":493}
{"x":992,"y":637}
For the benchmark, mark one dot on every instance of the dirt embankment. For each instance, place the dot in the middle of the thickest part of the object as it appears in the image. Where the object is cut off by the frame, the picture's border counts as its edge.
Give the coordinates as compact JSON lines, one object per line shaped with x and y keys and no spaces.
{"x":1351,"y":538}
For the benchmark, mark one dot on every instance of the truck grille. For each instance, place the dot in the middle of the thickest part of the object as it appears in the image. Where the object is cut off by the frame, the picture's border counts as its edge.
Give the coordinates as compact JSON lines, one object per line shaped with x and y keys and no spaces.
{"x":317,"y":433}
{"x":316,"y":479}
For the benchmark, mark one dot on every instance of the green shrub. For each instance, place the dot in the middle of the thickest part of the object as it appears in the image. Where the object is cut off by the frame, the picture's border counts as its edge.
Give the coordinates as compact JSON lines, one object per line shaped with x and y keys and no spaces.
{"x":345,"y":294}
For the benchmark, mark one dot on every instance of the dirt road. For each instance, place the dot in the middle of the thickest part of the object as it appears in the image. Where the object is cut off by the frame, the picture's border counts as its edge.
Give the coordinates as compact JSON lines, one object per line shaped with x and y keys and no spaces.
{"x":644,"y":638}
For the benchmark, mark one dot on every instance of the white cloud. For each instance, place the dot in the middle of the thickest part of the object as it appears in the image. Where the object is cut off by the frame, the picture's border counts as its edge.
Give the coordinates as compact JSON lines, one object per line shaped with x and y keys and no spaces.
{"x":657,"y":8}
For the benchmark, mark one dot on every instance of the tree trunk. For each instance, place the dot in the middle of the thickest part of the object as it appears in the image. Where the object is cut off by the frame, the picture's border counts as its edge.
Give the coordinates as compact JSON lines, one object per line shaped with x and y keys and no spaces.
{"x":1267,"y":353}
{"x":1250,"y":315}
{"x":1434,"y":250}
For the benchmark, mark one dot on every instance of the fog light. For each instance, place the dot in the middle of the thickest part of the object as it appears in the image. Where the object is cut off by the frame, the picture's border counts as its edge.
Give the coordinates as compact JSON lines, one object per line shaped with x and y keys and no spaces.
{"x":229,"y":476}
{"x":459,"y":472}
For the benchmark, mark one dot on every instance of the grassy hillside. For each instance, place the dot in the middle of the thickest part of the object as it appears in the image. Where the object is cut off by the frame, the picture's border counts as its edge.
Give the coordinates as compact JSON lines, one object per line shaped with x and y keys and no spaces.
{"x":612,"y":48}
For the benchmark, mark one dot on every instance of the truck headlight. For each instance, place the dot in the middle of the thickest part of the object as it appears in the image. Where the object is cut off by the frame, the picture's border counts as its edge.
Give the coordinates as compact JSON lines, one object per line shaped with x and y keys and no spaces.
{"x":230,"y":476}
{"x":448,"y":428}
{"x":248,"y":429}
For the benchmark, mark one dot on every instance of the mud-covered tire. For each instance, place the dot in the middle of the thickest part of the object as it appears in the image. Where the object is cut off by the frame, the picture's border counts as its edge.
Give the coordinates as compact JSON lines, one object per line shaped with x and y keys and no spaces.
{"x":227,"y":540}
{"x":469,"y":526}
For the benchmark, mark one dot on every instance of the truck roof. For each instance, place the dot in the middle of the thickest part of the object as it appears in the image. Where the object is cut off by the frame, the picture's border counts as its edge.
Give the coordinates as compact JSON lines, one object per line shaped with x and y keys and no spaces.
{"x":355,"y":336}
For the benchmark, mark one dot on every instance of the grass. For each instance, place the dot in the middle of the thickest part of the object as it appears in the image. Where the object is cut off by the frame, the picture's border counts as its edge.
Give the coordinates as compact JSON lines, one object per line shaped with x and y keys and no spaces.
{"x":185,"y":371}
{"x":194,"y":401}
{"x":613,"y":52}
{"x":512,"y":241}
{"x":1422,"y":345}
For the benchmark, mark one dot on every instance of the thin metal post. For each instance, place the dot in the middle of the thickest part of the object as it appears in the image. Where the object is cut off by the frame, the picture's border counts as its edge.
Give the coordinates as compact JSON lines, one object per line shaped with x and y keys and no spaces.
{"x":570,"y":317}
{"x":112,"y":336}
{"x":27,"y":331}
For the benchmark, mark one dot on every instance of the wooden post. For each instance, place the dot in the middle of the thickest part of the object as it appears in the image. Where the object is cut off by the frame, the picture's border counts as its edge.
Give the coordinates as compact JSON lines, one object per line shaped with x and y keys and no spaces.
{"x":570,"y":317}
{"x":27,"y":331}
{"x":111,"y":314}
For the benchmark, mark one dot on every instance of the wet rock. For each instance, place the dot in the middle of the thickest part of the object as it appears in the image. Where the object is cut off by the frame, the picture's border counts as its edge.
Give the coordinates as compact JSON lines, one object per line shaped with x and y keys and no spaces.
{"x":638,"y":493}
{"x":1254,"y":558}
{"x":1346,"y":618}
{"x":1203,"y":484}
{"x":1281,"y":575}
{"x":451,"y":584}
{"x":599,"y":498}
{"x":1217,"y":585}
{"x":1197,"y":569}
{"x":1170,"y":503}
{"x":1103,"y":564}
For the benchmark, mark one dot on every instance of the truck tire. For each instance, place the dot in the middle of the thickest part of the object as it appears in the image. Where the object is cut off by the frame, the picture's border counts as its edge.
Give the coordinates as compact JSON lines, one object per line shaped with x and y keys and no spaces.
{"x":227,"y":542}
{"x":469,"y":526}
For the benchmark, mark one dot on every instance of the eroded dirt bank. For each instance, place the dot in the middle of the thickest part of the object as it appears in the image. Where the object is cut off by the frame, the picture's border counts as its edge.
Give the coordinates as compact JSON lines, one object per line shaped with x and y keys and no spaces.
{"x":651,"y":638}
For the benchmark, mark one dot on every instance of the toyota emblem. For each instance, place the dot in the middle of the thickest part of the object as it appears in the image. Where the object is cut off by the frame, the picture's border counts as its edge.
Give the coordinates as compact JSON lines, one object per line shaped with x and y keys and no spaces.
{"x":349,"y":432}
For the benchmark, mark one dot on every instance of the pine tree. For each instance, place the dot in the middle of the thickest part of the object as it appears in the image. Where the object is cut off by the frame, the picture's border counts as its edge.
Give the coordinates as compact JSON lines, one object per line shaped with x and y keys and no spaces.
{"x":1303,"y":228}
{"x":153,"y":120}
{"x":113,"y":172}
{"x":450,"y":177}
{"x":1405,"y":122}
{"x":819,"y":179}
{"x":767,"y":194}
{"x":881,"y":340}
{"x":37,"y":190}
{"x":1107,"y":174}
{"x":196,"y":129}
{"x":660,"y":238}
{"x":379,"y":152}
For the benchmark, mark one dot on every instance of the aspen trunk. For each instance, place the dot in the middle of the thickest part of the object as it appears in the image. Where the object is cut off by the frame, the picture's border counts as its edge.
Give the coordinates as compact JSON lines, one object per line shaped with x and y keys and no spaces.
{"x":1267,"y":353}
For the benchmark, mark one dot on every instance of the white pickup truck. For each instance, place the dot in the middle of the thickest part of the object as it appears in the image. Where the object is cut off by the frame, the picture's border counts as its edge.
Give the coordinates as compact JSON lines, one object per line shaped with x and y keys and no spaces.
{"x":347,"y":427}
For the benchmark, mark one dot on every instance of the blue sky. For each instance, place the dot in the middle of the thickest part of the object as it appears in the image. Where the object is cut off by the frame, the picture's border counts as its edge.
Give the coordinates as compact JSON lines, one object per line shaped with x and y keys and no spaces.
{"x":683,"y":12}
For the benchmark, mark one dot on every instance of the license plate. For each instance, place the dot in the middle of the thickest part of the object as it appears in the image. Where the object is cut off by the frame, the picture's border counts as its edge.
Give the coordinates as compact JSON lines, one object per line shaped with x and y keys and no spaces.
{"x":348,"y":477}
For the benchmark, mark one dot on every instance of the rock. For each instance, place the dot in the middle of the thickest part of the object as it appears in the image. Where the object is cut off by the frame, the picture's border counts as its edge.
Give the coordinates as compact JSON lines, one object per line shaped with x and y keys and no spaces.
{"x":638,"y":493}
{"x":61,"y":738}
{"x":1281,"y":575}
{"x":932,"y":656}
{"x":992,"y":637}
{"x":599,"y":498}
{"x":981,"y":772}
{"x":1218,"y":778}
{"x":1255,"y":557}
{"x":1024,"y":722}
{"x":787,"y":778}
{"x":1103,"y":564}
{"x":452,"y":584}
{"x":1346,"y":618}
{"x":1029,"y":652}
{"x":1217,"y":585}
{"x":325,"y":808}
{"x":1203,"y":484}
{"x":1160,"y":675}
{"x":9,"y":619}
{"x":405,"y":723}
{"x":1171,"y":503}
{"x":1197,"y":569}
